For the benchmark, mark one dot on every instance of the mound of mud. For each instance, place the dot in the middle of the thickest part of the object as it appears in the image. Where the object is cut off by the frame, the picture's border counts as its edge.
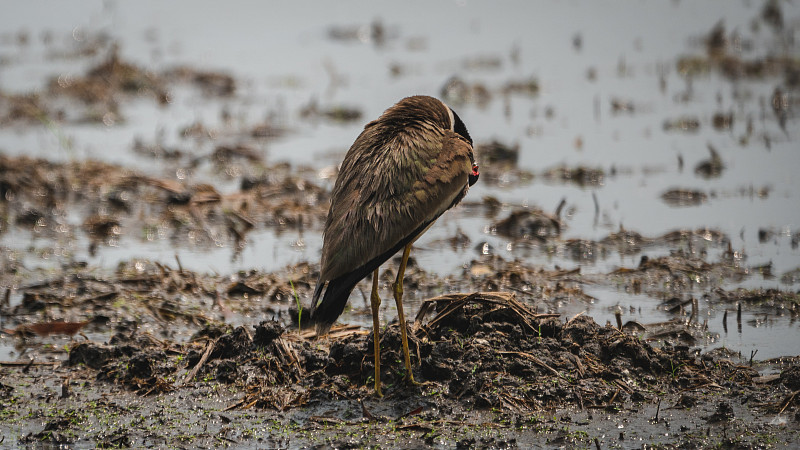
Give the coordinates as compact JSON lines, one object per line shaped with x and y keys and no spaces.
{"x":485,"y":350}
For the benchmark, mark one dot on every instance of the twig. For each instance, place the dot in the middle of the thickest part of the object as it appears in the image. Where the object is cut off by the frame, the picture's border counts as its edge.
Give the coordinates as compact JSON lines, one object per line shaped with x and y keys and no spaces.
{"x":739,"y":317}
{"x":706,"y":385}
{"x":28,"y":363}
{"x":455,"y":302}
{"x":788,"y":401}
{"x":658,"y":409}
{"x":725,"y":321}
{"x":325,"y":420}
{"x":233,"y":406}
{"x":533,"y":359}
{"x":575,"y":317}
{"x":367,"y":415}
{"x":180,"y":267}
{"x":580,"y":398}
{"x":191,"y":374}
{"x":613,"y":397}
{"x":288,"y":350}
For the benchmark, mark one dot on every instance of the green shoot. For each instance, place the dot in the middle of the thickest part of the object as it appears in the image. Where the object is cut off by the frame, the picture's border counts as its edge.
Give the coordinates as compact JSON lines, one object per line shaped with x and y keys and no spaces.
{"x":299,"y":308}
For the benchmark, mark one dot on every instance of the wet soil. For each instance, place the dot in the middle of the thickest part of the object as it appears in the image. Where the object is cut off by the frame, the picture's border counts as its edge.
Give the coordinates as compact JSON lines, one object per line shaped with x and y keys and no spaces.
{"x":494,"y":374}
{"x":152,"y":354}
{"x":147,"y":356}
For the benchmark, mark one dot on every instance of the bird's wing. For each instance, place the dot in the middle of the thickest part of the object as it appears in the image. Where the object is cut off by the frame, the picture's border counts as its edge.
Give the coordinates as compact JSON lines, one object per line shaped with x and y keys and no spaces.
{"x":388,"y":191}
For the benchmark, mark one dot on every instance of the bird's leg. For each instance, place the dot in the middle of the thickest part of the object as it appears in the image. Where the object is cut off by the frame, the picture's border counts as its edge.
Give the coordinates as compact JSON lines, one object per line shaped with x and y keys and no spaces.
{"x":398,"y":297}
{"x":375,"y":302}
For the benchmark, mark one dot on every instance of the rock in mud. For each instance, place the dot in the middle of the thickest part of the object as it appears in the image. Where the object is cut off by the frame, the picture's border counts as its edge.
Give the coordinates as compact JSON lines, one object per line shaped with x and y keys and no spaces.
{"x":530,"y":224}
{"x":92,"y":355}
{"x":231,"y":345}
{"x":266,"y":332}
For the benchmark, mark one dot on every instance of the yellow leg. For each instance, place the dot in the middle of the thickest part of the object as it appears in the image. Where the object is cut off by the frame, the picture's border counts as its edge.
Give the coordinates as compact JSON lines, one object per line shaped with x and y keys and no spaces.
{"x":375,"y":301}
{"x":398,"y":298}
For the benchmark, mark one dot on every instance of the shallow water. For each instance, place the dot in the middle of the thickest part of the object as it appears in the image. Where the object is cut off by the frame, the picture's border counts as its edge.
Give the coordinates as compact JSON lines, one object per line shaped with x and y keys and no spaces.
{"x":284,"y":57}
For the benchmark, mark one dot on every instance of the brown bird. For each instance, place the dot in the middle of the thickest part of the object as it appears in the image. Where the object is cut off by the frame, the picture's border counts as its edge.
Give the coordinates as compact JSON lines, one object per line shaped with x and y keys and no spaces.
{"x":403,"y":171}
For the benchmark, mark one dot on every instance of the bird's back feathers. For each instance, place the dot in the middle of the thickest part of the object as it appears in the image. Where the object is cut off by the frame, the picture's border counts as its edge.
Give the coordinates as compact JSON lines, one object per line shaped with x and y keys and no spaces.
{"x":403,"y":171}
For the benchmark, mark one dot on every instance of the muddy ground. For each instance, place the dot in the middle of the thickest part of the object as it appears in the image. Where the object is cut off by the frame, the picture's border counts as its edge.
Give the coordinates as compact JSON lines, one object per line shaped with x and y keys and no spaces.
{"x":151,"y":354}
{"x":494,"y":373}
{"x":146,"y":355}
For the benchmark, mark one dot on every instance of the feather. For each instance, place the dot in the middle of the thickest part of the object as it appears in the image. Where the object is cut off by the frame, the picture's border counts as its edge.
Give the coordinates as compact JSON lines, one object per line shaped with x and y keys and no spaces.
{"x":404,"y":170}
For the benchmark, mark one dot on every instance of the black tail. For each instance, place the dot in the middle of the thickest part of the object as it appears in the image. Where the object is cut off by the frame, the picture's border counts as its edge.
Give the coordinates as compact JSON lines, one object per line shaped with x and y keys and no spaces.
{"x":310,"y":312}
{"x":325,"y":313}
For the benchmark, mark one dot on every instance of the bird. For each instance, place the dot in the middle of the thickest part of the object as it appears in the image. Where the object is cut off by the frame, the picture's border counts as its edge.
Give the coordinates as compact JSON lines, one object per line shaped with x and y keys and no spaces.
{"x":404,"y":170}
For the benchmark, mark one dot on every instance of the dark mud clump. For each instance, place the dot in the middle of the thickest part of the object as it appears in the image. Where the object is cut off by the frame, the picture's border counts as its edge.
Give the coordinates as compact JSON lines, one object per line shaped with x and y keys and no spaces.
{"x":485,"y":350}
{"x":580,"y":176}
{"x":498,"y":161}
{"x":531,"y":224}
{"x":115,"y":201}
{"x":485,"y":358}
{"x":712,"y":167}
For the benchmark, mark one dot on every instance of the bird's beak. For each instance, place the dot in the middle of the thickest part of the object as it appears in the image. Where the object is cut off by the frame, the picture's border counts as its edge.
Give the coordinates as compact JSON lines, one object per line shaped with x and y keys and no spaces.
{"x":473,"y":177}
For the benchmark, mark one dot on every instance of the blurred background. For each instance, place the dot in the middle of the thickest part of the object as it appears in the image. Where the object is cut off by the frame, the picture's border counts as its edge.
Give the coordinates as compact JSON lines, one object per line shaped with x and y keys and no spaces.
{"x":646,"y":117}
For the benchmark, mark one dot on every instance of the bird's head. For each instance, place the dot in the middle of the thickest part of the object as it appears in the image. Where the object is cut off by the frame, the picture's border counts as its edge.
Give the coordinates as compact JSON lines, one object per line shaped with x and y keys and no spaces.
{"x":473,"y":177}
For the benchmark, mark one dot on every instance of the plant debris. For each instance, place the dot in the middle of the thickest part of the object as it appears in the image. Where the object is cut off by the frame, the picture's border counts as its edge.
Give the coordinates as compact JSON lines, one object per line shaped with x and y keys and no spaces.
{"x":544,"y":332}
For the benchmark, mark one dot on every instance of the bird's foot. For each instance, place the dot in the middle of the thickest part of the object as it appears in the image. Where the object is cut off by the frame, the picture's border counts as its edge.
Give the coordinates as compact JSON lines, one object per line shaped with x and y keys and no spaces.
{"x":412,"y":382}
{"x":421,"y":384}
